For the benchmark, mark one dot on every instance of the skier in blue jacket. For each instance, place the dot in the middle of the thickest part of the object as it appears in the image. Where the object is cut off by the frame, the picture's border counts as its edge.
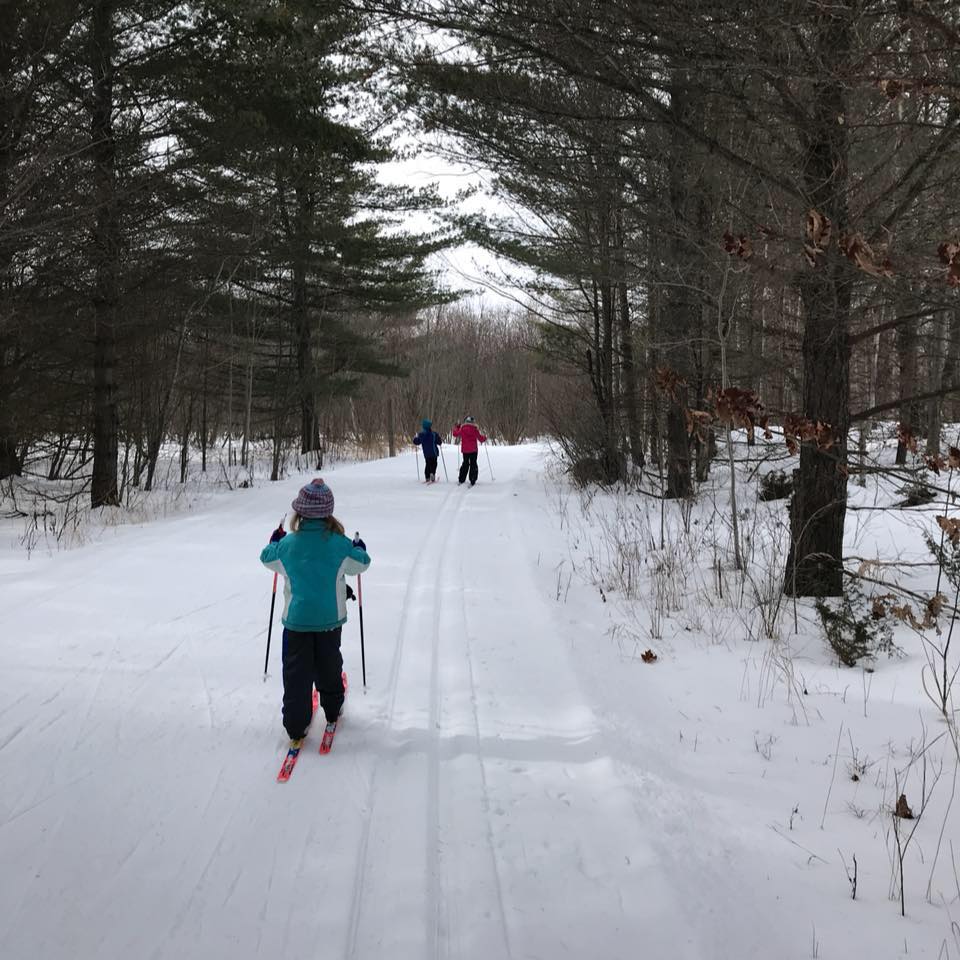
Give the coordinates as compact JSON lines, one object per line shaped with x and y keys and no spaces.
{"x":429,"y":441}
{"x":313,"y":560}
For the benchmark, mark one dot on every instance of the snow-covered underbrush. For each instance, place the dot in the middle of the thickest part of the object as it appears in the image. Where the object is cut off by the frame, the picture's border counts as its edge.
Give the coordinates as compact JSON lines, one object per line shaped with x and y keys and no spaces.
{"x":48,"y":508}
{"x":845,"y":775}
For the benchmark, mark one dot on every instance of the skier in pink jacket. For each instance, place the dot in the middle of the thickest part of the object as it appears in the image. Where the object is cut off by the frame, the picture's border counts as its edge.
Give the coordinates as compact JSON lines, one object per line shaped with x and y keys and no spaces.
{"x":469,"y":436}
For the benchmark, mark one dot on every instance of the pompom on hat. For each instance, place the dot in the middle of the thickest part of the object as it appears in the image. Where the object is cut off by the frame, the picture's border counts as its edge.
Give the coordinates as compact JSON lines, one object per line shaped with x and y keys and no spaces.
{"x":314,"y":501}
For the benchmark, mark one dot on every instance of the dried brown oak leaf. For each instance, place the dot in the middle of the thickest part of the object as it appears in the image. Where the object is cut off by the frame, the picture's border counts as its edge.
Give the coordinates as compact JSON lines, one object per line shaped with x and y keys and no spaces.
{"x":951,"y":527}
{"x":648,"y":656}
{"x":904,"y":613}
{"x":935,"y":607}
{"x":819,"y":229}
{"x":858,"y":251}
{"x":902,"y":809}
{"x":949,"y":254}
{"x":938,"y":463}
{"x":798,"y":429}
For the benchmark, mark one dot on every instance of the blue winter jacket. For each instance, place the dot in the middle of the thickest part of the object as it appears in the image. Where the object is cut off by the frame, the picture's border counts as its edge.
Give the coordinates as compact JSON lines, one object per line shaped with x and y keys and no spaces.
{"x":430,"y":441}
{"x":313,"y":562}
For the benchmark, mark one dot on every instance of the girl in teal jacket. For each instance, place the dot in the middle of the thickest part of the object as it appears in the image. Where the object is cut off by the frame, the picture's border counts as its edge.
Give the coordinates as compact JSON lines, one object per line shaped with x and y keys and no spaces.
{"x":313,"y":561}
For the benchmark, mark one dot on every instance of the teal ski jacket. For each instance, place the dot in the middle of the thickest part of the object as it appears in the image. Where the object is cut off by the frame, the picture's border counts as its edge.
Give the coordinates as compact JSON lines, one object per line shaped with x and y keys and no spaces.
{"x":313,"y":562}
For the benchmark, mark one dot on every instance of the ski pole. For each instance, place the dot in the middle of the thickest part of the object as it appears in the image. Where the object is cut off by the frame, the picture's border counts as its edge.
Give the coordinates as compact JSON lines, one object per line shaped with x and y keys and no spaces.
{"x":416,"y":453}
{"x":273,"y":603}
{"x":490,"y":468}
{"x":446,"y":476}
{"x":363,"y":656}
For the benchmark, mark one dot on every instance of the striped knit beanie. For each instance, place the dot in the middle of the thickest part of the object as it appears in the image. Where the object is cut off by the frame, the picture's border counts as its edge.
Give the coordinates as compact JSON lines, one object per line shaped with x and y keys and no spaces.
{"x":314,"y":500}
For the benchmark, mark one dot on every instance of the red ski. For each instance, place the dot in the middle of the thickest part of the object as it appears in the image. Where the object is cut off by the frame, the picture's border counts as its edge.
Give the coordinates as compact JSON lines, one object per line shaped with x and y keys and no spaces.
{"x":290,"y":760}
{"x":326,"y":744}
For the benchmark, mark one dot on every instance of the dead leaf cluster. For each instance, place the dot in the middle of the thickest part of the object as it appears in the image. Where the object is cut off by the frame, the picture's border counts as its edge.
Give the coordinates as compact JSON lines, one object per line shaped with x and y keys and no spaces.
{"x":951,"y":527}
{"x":889,"y":605}
{"x":798,"y":430}
{"x":949,"y":254}
{"x":858,"y":252}
{"x":939,"y":462}
{"x":819,"y":230}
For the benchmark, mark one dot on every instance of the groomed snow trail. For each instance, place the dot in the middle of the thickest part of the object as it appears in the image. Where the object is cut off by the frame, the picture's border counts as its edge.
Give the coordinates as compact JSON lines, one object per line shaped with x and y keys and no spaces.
{"x":472,"y":805}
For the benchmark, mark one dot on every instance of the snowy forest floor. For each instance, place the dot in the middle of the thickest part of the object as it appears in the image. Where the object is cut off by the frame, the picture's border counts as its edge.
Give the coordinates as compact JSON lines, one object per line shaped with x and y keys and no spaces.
{"x":516,"y":782}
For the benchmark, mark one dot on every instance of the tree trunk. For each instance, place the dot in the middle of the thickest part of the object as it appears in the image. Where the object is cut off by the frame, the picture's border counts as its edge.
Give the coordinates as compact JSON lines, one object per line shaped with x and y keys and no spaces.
{"x":678,"y":305}
{"x":627,"y":365}
{"x":391,"y":430}
{"x":105,"y":257}
{"x":938,"y":367}
{"x":907,"y":348}
{"x":818,"y":508}
{"x":10,"y":465}
{"x":203,"y":407}
{"x":247,"y":416}
{"x":950,"y":364}
{"x":306,"y":366}
{"x":612,"y":467}
{"x":185,"y":442}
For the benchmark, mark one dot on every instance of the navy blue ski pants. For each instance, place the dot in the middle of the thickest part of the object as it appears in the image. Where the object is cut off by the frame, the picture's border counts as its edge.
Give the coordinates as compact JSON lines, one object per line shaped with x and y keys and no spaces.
{"x":310,"y":659}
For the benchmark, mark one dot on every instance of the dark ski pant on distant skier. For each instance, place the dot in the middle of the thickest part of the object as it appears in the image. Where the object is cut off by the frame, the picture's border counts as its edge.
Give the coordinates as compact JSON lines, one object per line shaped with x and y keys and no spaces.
{"x":469,"y":464}
{"x":308,"y":659}
{"x":431,"y":467}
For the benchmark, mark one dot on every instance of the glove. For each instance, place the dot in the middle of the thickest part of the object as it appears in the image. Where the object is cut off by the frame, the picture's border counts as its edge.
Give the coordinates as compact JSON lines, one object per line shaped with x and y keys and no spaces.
{"x":357,"y":542}
{"x":350,"y":594}
{"x":277,"y":535}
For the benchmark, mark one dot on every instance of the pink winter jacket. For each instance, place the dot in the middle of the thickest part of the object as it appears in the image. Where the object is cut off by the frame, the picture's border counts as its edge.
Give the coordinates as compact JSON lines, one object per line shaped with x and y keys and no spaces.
{"x":469,"y":435}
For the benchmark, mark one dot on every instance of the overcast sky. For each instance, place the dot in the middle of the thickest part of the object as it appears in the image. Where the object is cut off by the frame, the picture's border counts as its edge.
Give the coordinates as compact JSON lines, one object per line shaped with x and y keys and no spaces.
{"x":465,"y":267}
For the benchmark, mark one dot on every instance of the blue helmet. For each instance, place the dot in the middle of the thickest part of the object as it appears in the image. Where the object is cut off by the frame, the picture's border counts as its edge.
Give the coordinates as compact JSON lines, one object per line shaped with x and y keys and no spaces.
{"x":427,"y":424}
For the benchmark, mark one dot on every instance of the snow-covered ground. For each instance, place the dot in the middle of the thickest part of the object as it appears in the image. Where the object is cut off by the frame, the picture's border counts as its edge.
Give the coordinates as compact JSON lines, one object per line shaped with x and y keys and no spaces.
{"x":515,"y":782}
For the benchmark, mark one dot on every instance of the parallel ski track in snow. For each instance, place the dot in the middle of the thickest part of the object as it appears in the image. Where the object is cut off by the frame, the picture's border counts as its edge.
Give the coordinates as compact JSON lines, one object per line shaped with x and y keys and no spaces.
{"x":457,"y":646}
{"x":485,"y":791}
{"x":362,"y":859}
{"x":433,"y":917}
{"x":437,"y":929}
